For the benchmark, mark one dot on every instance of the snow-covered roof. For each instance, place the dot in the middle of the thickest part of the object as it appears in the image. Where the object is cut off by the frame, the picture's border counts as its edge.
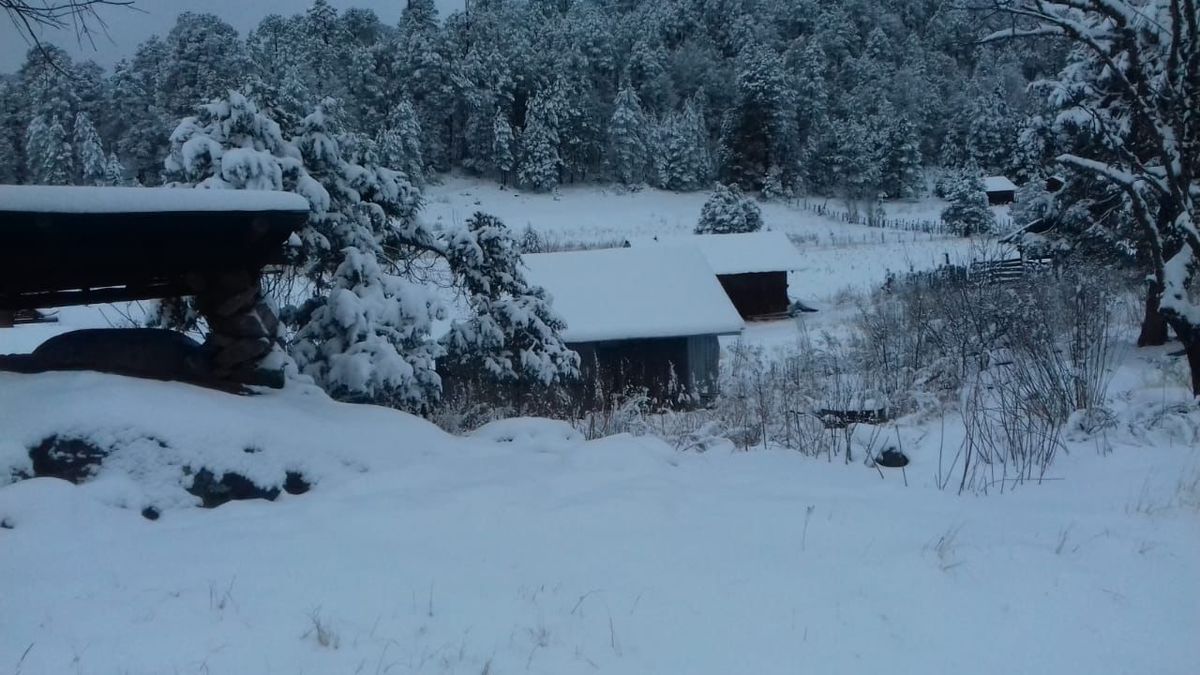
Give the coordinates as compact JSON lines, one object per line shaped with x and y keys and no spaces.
{"x":630,"y":293}
{"x":75,"y":199}
{"x":998,"y":184}
{"x":736,"y":253}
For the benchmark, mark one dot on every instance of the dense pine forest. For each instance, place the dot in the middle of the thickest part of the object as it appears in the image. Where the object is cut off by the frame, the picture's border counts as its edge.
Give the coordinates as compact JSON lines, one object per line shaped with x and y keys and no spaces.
{"x":836,"y":97}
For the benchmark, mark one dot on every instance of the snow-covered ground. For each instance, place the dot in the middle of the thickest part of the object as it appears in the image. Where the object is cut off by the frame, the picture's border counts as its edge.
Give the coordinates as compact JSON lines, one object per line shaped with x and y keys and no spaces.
{"x":526,"y":549}
{"x":838,"y":256}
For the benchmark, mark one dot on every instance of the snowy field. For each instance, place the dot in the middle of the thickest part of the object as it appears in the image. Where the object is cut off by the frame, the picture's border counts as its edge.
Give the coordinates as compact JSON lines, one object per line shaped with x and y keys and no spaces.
{"x":527,"y":550}
{"x":838,"y":256}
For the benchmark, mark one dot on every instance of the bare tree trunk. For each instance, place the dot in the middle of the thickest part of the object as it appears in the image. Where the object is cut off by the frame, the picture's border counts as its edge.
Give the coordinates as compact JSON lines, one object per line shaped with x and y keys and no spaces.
{"x":1154,"y":324}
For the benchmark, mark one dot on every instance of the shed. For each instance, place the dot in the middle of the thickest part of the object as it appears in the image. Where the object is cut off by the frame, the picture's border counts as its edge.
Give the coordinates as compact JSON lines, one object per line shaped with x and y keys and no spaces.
{"x":640,"y":317}
{"x":1000,"y":190}
{"x":83,"y":245}
{"x":752,"y":267}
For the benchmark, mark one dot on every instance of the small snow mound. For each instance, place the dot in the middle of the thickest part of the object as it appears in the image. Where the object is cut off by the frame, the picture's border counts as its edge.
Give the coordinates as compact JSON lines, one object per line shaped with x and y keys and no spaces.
{"x":529,"y":431}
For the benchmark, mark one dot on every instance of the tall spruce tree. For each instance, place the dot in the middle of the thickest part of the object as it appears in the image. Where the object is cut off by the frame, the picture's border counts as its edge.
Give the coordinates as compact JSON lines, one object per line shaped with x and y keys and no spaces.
{"x":627,"y":137}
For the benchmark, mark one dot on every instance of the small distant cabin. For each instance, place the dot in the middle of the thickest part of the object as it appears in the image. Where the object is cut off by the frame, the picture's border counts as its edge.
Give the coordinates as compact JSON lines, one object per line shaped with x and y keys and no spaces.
{"x":640,"y":318}
{"x":752,"y":267}
{"x":62,"y":246}
{"x":1055,"y":183}
{"x":1000,"y":190}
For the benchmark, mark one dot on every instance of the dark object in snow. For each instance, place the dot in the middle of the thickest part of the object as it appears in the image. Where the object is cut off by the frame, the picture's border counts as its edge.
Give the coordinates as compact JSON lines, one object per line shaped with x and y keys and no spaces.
{"x":70,"y":459}
{"x":799,"y":307}
{"x":231,"y":486}
{"x":150,"y":513}
{"x":892,"y":459}
{"x":6,"y":524}
{"x":64,"y":246}
{"x":840,"y":419}
{"x":138,"y":352}
{"x":295,"y":484}
{"x":214,"y":492}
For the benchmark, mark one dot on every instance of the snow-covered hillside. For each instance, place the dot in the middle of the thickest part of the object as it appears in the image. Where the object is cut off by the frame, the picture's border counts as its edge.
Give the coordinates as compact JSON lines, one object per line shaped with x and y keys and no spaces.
{"x":526,"y":549}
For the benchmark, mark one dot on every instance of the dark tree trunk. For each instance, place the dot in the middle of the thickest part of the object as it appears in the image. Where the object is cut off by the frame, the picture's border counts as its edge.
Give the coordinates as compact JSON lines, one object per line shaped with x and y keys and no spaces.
{"x":1193,"y":357}
{"x":1154,"y":324}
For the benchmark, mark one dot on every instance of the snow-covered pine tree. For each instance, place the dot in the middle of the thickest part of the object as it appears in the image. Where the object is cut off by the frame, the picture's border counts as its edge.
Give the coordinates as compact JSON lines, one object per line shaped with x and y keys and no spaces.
{"x":8,"y":161}
{"x":902,"y":177}
{"x":48,"y":154}
{"x":759,"y":131}
{"x":627,"y":136}
{"x":683,"y":158}
{"x":728,"y":211}
{"x":400,"y":143}
{"x":541,"y":164}
{"x":968,"y":214}
{"x":503,"y":147}
{"x":513,"y":337}
{"x":91,"y":159}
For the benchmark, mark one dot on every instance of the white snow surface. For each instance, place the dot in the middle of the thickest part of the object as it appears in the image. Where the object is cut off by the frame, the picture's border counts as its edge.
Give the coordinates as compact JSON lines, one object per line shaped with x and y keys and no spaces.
{"x":526,"y":549}
{"x":741,"y":253}
{"x":630,"y":293}
{"x":85,"y":199}
{"x":998,"y":184}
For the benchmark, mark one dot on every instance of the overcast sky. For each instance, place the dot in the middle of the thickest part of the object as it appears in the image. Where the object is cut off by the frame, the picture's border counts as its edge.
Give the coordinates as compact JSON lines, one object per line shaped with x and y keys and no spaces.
{"x":127,"y":28}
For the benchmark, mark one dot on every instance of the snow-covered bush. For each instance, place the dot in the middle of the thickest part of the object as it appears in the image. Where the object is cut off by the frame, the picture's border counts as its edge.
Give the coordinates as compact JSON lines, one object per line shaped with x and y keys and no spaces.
{"x":728,"y":211}
{"x":968,"y":213}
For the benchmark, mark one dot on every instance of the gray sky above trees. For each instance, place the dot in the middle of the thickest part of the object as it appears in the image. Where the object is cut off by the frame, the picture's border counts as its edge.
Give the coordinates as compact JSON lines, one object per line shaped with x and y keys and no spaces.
{"x":127,"y":28}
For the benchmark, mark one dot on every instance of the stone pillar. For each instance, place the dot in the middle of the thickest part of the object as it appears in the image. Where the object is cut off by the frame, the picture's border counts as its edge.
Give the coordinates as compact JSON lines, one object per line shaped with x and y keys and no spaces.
{"x":242,"y":327}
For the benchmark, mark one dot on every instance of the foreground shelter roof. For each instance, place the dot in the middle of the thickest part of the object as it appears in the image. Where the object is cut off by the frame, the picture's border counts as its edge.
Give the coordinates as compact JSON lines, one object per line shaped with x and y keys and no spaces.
{"x":76,"y":245}
{"x":634,"y":293}
{"x":745,"y":253}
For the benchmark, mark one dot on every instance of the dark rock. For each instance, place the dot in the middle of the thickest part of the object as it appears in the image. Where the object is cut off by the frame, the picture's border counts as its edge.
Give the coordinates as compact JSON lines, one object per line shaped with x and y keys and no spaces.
{"x":150,"y":513}
{"x":6,"y":524}
{"x":892,"y":459}
{"x":295,"y":484}
{"x":71,"y":459}
{"x":230,"y":487}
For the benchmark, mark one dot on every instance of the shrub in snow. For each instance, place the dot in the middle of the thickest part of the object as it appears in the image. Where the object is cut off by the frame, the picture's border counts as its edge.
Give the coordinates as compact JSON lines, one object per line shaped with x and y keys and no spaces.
{"x":968,"y":213}
{"x":728,"y":211}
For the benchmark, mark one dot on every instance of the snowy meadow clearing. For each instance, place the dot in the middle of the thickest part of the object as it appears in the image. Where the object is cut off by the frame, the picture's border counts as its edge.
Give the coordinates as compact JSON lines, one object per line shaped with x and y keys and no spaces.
{"x":524,"y":548}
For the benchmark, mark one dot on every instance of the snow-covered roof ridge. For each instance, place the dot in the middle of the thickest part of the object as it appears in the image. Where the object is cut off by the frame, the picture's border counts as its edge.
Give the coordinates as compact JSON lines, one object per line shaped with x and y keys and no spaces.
{"x":998,"y":184}
{"x":743,"y":253}
{"x":633,"y":293}
{"x":84,"y":199}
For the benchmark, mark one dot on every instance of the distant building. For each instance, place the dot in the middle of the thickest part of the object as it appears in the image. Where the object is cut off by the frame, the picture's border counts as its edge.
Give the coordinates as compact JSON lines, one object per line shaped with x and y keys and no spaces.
{"x":640,"y":317}
{"x":1000,"y":190}
{"x":1055,"y":183}
{"x":752,"y":268}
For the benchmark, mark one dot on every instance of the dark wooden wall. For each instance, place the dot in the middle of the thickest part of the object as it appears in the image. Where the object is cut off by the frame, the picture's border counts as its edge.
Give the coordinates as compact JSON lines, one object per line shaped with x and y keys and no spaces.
{"x":757,"y":294}
{"x":664,"y":367}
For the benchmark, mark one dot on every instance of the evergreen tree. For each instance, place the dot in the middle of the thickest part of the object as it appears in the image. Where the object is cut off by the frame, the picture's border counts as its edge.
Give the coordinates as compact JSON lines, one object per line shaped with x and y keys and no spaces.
{"x":627,"y":139}
{"x":728,"y":211}
{"x":514,"y":335}
{"x":93,"y":163}
{"x":968,"y":214}
{"x":541,"y":164}
{"x":400,"y":143}
{"x":759,"y":130}
{"x":503,"y":147}
{"x":8,"y":161}
{"x":48,"y":153}
{"x":202,"y":58}
{"x":902,"y":176}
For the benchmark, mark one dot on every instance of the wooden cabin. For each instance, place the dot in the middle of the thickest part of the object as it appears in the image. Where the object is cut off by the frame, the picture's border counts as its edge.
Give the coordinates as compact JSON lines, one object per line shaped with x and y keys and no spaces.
{"x":752,"y":267}
{"x":63,"y":246}
{"x":1000,"y":190}
{"x":640,"y":318}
